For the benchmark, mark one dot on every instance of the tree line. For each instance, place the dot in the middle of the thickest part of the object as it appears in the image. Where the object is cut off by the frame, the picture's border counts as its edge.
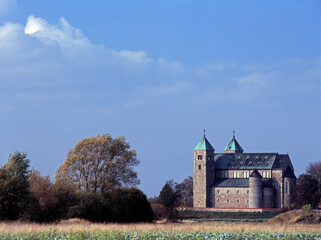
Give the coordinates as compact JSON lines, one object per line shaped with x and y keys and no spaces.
{"x":96,"y":182}
{"x":308,"y":187}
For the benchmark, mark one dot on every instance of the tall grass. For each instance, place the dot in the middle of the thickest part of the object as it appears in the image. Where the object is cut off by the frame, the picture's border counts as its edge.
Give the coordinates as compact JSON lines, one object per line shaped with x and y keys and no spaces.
{"x":84,"y":226}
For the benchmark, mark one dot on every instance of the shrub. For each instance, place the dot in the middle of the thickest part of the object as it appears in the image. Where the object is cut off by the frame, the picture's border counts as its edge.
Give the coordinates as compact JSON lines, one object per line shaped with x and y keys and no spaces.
{"x":129,"y":205}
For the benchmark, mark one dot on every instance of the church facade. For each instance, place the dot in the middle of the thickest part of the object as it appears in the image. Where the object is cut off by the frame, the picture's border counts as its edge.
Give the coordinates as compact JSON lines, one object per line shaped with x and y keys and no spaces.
{"x":235,"y":179}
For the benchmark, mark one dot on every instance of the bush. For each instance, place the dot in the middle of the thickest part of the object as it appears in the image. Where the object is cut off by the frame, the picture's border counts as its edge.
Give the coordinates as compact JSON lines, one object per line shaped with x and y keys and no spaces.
{"x":90,"y":206}
{"x":129,"y":205}
{"x":307,"y":209}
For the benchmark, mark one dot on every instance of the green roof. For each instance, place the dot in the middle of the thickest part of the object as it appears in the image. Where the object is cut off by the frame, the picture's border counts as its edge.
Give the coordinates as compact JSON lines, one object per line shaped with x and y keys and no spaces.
{"x":247,"y":161}
{"x":204,"y":144}
{"x":233,"y":146}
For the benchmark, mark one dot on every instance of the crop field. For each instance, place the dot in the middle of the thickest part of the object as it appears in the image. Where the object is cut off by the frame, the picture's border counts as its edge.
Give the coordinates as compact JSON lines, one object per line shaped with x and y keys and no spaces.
{"x":161,"y":235}
{"x":79,"y":229}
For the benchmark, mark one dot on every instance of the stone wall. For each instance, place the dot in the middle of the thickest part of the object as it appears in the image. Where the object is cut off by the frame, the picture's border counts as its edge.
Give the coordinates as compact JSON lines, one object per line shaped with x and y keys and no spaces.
{"x":278,"y":186}
{"x":232,"y":197}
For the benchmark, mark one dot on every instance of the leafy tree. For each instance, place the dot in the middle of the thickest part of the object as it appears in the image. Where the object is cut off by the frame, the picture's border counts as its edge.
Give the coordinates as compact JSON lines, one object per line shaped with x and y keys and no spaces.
{"x":99,"y":164}
{"x":14,"y":187}
{"x":306,"y":191}
{"x":314,"y":169}
{"x":168,"y":196}
{"x":53,"y":199}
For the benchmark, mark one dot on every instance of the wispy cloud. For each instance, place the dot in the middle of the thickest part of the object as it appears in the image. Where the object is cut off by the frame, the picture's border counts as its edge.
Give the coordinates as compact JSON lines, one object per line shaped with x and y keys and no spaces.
{"x":50,"y":59}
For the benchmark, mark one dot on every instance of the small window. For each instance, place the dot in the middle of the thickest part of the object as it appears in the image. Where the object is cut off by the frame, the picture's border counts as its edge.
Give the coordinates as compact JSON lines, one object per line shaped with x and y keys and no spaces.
{"x":199,"y":157}
{"x":247,"y":201}
{"x":209,"y":158}
{"x":228,"y":200}
{"x":218,"y":200}
{"x":238,"y":192}
{"x":228,"y":191}
{"x":199,"y":166}
{"x":286,"y":187}
{"x":247,"y":191}
{"x":218,"y":191}
{"x":238,"y":200}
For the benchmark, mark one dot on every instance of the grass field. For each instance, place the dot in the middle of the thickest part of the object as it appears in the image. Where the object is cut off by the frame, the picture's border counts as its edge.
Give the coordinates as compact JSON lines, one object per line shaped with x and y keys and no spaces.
{"x":80,"y":229}
{"x":81,"y":226}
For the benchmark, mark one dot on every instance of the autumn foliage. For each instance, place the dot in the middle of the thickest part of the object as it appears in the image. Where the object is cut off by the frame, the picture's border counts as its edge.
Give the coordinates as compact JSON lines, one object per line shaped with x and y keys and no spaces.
{"x":96,"y":182}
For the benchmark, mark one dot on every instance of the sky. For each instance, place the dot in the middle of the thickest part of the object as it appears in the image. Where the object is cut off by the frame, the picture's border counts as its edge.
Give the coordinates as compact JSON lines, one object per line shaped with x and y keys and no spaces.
{"x":158,"y":73}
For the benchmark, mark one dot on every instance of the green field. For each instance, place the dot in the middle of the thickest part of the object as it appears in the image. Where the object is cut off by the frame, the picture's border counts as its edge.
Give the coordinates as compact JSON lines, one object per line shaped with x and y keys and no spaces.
{"x":160,"y":235}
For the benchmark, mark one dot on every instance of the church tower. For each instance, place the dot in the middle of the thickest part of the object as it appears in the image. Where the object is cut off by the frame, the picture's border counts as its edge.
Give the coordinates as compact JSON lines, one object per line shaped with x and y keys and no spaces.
{"x":204,"y":173}
{"x":233,"y":146}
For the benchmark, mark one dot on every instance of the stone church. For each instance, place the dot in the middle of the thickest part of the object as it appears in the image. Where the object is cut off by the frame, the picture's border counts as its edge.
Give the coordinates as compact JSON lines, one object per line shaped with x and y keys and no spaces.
{"x":234,"y":179}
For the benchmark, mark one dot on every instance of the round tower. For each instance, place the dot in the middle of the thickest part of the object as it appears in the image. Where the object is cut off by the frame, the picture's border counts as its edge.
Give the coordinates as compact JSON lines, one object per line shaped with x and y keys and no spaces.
{"x":255,"y":185}
{"x":289,"y":180}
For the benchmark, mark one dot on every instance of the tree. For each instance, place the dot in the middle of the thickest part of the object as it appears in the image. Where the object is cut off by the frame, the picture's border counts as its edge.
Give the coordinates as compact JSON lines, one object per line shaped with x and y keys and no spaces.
{"x":306,"y":191}
{"x":53,"y":199}
{"x":168,"y":195}
{"x":99,"y":164}
{"x":314,"y":169}
{"x":14,"y":187}
{"x":185,"y":192}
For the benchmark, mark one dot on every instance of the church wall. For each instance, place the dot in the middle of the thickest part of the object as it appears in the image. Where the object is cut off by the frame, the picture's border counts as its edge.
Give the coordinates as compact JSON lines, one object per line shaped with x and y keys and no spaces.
{"x":268,"y":198}
{"x":289,"y":184}
{"x":278,"y":186}
{"x":241,"y":173}
{"x":231,"y":197}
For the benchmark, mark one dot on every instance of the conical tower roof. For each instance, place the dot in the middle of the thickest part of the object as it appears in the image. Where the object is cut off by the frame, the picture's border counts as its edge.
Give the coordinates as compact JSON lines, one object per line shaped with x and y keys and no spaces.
{"x":256,"y":174}
{"x":233,"y":147}
{"x":204,"y":144}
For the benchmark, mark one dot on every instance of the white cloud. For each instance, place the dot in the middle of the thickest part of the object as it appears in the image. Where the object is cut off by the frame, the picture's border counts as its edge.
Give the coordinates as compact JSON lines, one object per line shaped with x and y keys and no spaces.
{"x":135,"y":57}
{"x":5,"y":5}
{"x":43,"y":56}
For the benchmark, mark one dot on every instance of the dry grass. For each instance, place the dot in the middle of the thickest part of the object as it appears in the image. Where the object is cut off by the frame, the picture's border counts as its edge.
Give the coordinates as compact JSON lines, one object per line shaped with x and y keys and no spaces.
{"x":77,"y":225}
{"x":297,"y":216}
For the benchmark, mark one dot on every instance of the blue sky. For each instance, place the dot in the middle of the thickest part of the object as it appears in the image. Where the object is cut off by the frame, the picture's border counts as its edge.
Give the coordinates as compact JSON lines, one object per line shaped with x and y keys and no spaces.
{"x":158,"y":72}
